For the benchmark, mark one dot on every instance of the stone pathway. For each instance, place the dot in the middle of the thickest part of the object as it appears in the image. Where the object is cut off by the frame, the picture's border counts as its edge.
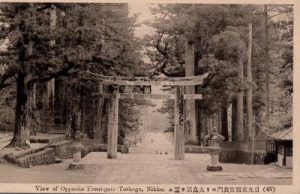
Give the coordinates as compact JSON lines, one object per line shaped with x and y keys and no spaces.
{"x":146,"y":169}
{"x":144,"y":166}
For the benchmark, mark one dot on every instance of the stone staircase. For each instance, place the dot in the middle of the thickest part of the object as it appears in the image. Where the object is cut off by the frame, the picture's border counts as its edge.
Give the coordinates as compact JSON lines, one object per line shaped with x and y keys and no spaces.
{"x":62,"y":149}
{"x":44,"y":149}
{"x":48,"y":148}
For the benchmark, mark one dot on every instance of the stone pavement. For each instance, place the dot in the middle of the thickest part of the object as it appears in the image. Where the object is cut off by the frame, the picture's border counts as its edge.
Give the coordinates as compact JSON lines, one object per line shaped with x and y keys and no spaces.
{"x":143,"y":166}
{"x":138,"y":168}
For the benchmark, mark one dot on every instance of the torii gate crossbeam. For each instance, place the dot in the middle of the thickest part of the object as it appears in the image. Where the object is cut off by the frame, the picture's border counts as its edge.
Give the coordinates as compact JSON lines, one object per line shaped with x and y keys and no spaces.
{"x":114,"y":96}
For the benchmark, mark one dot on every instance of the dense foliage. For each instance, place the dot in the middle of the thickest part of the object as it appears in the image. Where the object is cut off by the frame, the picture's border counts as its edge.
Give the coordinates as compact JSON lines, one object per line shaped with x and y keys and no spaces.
{"x":220,"y":34}
{"x":46,"y":41}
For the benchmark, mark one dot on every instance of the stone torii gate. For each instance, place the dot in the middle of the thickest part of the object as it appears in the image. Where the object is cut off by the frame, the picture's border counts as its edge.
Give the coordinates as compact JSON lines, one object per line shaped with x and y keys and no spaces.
{"x":179,"y":82}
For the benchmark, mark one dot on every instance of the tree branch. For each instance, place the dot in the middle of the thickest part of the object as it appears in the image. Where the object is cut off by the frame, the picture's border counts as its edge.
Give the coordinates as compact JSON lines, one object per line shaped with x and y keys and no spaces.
{"x":270,"y":17}
{"x":5,"y":79}
{"x":62,"y":72}
{"x":6,"y":84}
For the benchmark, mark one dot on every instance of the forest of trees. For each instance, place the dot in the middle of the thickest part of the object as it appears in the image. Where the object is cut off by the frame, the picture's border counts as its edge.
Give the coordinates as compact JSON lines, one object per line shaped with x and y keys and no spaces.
{"x":219,"y":38}
{"x":46,"y":47}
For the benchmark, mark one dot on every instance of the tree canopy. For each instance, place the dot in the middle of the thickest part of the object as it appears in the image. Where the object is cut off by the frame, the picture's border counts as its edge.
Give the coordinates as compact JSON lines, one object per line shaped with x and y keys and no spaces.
{"x":219,"y":33}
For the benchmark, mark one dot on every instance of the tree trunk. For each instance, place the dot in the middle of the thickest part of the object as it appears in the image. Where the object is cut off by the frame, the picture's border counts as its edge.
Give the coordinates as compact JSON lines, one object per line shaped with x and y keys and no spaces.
{"x":78,"y":121}
{"x":199,"y":117}
{"x":34,"y":94}
{"x":83,"y":124}
{"x":234,"y":120}
{"x":209,"y":124}
{"x":24,"y":111}
{"x":51,"y":83}
{"x":44,"y":100}
{"x":50,"y":101}
{"x":81,"y":107}
{"x":240,"y":102}
{"x":249,"y":91}
{"x":220,"y":120}
{"x":213,"y":118}
{"x":267,"y":71}
{"x":229,"y":122}
{"x":53,"y":18}
{"x":32,"y":117}
{"x":21,"y":133}
{"x":59,"y":102}
{"x":64,"y":103}
{"x":68,"y":109}
{"x":32,"y":114}
{"x":259,"y":118}
{"x":190,"y":117}
{"x":99,"y":132}
{"x":224,"y":123}
{"x":204,"y":126}
{"x":104,"y":120}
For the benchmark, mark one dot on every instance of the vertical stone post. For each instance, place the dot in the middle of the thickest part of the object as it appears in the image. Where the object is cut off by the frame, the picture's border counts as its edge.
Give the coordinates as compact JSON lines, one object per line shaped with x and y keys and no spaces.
{"x":179,"y":124}
{"x":113,"y":114}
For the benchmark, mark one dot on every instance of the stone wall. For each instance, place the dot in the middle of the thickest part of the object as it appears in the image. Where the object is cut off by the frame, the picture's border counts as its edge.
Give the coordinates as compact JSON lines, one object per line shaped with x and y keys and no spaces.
{"x":241,"y":152}
{"x":46,"y":156}
{"x":90,"y":145}
{"x":196,"y":149}
{"x":62,"y":149}
{"x":242,"y":157}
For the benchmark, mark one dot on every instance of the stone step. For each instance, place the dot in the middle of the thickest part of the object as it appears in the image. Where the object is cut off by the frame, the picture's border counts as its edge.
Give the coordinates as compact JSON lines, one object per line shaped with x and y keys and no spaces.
{"x":47,"y":138}
{"x":31,"y":151}
{"x":54,"y":147}
{"x":12,"y":153}
{"x":46,"y":156}
{"x":30,"y":157}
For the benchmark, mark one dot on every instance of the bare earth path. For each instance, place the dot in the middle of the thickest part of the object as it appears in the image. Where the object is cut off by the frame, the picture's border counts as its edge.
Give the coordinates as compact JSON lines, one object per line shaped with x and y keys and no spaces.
{"x":144,"y":166}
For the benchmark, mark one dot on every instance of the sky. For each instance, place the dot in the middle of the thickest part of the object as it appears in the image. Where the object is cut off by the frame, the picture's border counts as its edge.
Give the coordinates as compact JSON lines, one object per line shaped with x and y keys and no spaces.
{"x":144,"y":15}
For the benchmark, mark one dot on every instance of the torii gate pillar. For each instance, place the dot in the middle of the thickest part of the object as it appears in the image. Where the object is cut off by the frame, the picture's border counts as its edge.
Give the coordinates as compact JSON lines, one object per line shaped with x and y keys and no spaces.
{"x":179,"y":82}
{"x":113,"y":114}
{"x":179,"y":124}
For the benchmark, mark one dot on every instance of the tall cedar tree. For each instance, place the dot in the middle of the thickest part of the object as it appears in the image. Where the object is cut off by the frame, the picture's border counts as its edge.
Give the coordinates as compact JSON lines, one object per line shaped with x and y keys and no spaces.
{"x":221,"y":30}
{"x":101,"y":42}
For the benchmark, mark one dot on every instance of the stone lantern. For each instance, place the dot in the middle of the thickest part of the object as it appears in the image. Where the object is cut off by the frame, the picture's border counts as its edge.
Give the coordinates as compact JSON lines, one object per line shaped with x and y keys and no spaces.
{"x":214,"y":150}
{"x":76,"y":148}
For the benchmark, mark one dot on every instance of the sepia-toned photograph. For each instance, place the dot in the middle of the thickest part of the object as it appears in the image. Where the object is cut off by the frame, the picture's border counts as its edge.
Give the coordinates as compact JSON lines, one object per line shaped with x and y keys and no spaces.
{"x":146,"y":94}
